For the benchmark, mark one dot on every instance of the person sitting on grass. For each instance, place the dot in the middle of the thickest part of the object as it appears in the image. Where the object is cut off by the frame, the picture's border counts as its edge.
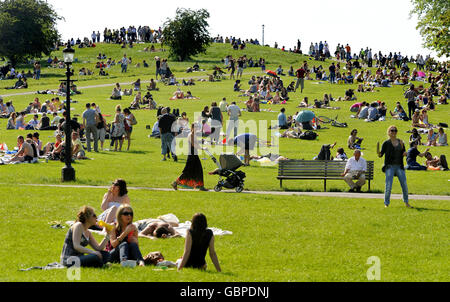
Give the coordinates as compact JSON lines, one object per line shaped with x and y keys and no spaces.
{"x":77,"y":148}
{"x":431,"y":138}
{"x":75,"y":251}
{"x":416,"y":120}
{"x":177,"y":95}
{"x":415,"y":137}
{"x":124,"y":244}
{"x":27,"y":151}
{"x":442,"y":138}
{"x":340,"y":155}
{"x":198,"y":240}
{"x":411,"y":157}
{"x":116,"y":95}
{"x":436,"y":163}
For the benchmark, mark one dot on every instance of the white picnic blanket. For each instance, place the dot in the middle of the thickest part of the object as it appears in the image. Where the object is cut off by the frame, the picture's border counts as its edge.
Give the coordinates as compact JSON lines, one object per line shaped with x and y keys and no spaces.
{"x":182,"y":228}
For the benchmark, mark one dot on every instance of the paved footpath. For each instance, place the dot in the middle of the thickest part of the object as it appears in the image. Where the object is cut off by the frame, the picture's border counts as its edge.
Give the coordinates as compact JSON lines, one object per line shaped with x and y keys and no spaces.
{"x":283,"y":193}
{"x":122,"y":84}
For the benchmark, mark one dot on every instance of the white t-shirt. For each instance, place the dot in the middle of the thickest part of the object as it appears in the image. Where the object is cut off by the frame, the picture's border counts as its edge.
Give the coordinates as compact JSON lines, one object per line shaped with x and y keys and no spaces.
{"x":354,"y":165}
{"x":234,"y":111}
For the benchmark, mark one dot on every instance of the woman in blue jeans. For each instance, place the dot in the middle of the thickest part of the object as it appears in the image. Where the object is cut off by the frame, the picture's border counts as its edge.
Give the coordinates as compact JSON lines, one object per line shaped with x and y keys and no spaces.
{"x":124,"y":238}
{"x":393,"y":150}
{"x":75,"y":251}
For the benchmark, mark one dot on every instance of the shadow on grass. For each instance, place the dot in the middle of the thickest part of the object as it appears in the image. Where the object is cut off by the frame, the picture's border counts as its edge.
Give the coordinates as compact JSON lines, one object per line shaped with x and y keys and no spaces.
{"x":427,"y":209}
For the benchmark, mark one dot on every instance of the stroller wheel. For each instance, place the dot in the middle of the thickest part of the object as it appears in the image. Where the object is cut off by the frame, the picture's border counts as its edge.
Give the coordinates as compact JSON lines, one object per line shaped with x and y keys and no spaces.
{"x":217,"y":188}
{"x":239,"y":189}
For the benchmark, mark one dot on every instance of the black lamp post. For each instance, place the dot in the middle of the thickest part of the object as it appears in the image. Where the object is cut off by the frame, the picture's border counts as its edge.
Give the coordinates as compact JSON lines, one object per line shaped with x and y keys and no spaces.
{"x":68,"y":172}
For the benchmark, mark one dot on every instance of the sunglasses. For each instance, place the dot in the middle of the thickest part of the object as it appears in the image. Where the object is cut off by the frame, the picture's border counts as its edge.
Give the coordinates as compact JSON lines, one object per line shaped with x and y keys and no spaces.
{"x":393,"y":130}
{"x":94,"y":215}
{"x":127,"y":214}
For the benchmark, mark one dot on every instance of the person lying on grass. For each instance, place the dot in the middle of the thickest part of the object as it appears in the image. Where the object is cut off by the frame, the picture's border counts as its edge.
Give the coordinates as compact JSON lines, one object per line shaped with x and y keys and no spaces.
{"x":198,"y":240}
{"x":160,"y":229}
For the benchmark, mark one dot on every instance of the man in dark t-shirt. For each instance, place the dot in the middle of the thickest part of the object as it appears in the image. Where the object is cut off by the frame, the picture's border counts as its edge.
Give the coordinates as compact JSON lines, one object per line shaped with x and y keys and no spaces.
{"x":300,"y":73}
{"x":411,"y":158}
{"x":166,"y":123}
{"x":45,"y":122}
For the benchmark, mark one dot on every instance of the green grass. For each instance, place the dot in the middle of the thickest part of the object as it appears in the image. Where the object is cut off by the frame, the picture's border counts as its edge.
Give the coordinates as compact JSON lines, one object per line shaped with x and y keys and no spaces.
{"x":275,"y":238}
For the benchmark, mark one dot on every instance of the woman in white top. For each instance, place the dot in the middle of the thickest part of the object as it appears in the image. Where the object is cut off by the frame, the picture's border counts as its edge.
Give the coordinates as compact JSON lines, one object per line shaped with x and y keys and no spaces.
{"x":113,"y":199}
{"x":442,"y":138}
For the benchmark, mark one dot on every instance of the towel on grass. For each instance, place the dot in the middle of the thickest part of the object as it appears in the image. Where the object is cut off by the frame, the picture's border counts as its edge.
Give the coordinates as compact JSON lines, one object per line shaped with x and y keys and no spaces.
{"x":182,"y":228}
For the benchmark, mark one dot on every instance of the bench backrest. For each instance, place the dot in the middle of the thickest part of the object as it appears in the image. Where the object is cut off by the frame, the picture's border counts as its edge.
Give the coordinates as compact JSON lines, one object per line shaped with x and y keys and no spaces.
{"x":317,"y":168}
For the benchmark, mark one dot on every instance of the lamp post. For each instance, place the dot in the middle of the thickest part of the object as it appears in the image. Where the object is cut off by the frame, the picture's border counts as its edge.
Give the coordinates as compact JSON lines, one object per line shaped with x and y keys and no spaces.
{"x":263,"y":35}
{"x":68,"y":172}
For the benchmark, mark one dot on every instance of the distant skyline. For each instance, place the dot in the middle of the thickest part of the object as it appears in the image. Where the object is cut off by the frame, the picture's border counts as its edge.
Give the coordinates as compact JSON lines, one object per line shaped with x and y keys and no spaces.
{"x":381,"y":25}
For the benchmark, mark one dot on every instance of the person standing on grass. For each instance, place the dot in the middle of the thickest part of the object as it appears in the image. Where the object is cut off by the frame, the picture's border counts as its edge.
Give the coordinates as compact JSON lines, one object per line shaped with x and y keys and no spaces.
{"x":166,"y":122}
{"x":130,"y":119}
{"x":118,"y":130}
{"x":234,"y":112}
{"x":124,"y":63}
{"x":75,"y":251}
{"x":393,"y":150}
{"x":198,"y":240}
{"x":356,"y":167}
{"x":90,"y":120}
{"x":411,"y":95}
{"x":300,"y":73}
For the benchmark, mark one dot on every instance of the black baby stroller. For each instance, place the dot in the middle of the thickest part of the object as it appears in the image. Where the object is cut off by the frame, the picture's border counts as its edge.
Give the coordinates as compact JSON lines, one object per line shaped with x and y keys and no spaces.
{"x":228,"y":164}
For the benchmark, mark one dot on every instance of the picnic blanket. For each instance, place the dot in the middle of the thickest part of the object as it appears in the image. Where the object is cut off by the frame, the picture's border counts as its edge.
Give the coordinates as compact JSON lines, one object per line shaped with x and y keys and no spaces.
{"x":182,"y":228}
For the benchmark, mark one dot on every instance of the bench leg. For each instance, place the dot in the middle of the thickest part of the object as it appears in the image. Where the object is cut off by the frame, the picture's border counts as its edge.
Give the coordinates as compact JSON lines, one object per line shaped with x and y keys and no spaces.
{"x":325,"y":185}
{"x":281,"y":183}
{"x":369,"y":185}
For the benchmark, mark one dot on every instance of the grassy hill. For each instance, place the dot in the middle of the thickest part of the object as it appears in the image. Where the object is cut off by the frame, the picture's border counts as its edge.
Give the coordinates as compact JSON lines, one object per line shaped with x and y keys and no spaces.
{"x":275,"y":238}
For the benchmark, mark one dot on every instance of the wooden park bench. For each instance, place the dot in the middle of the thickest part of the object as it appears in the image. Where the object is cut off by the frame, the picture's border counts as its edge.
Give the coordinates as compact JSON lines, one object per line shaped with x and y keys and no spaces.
{"x":316,"y":169}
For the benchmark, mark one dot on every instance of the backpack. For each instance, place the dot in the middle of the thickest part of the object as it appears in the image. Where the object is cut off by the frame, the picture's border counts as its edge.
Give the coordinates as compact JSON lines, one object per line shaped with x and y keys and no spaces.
{"x":308,"y":135}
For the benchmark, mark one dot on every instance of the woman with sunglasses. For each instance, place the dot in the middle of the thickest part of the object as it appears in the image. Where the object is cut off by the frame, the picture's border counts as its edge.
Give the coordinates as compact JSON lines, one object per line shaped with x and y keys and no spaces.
{"x":123,"y":244}
{"x":393,"y":150}
{"x":75,"y":251}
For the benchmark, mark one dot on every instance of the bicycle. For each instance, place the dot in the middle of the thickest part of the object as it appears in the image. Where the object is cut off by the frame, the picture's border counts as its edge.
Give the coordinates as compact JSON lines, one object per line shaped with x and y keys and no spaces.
{"x":334,"y":122}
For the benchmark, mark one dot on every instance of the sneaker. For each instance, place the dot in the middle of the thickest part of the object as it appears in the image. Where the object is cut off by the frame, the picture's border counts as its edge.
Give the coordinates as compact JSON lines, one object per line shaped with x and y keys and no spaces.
{"x":164,"y":159}
{"x":358,"y":189}
{"x":175,"y":158}
{"x":351,"y":190}
{"x":202,"y":189}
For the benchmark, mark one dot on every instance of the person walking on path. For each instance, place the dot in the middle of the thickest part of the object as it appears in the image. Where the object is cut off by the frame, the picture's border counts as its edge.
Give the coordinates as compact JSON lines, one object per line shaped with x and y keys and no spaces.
{"x":393,"y":151}
{"x":90,"y":120}
{"x":192,"y":175}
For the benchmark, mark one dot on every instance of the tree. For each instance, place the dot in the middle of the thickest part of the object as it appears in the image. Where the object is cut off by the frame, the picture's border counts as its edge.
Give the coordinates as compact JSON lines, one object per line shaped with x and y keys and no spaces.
{"x":187,"y":35}
{"x":434,"y":24}
{"x":27,"y":29}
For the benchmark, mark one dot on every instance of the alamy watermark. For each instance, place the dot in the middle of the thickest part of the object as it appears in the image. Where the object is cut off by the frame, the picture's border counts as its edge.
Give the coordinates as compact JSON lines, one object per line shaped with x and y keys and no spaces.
{"x":74,"y":271}
{"x":220,"y":135}
{"x":374,"y":272}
